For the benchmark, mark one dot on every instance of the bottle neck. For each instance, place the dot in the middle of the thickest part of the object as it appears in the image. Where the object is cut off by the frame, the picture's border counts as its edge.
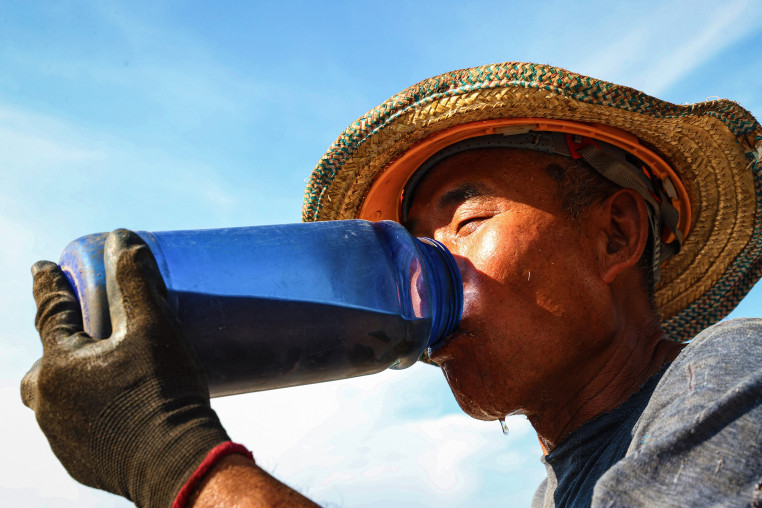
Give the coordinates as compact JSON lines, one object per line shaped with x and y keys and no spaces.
{"x":446,"y":288}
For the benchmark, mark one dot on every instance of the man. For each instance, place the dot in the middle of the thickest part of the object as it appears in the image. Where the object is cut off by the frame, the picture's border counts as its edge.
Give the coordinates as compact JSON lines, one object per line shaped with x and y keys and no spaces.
{"x":596,"y":228}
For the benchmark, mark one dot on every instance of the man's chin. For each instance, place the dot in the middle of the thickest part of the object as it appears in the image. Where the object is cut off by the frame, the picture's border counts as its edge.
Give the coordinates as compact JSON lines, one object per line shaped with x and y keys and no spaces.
{"x":478,"y":409}
{"x":479,"y":413}
{"x":461,"y":360}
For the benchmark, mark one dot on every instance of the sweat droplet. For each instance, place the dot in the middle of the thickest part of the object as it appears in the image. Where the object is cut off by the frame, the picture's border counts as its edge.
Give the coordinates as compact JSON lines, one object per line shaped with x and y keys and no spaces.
{"x":504,"y":426}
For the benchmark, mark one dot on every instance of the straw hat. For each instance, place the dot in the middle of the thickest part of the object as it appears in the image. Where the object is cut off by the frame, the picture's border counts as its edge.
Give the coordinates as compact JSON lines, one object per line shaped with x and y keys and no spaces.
{"x":710,"y":152}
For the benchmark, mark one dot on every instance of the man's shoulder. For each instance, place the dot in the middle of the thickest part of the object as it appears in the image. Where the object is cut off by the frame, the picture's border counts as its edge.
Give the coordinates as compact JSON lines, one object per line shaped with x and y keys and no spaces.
{"x":718,"y":357}
{"x":727,"y":337}
{"x":723,"y":360}
{"x":698,"y":440}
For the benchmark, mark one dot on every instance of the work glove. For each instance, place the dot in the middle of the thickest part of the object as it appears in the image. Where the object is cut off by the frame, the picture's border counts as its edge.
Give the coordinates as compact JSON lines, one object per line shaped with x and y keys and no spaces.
{"x":129,"y":414}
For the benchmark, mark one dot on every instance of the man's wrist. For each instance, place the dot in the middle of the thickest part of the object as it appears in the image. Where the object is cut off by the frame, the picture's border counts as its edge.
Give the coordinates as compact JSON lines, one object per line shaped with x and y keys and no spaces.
{"x":212,"y":458}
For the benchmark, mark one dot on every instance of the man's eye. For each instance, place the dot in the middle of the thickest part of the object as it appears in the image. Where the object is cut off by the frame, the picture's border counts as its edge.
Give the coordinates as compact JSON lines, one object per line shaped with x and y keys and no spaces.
{"x":469,"y":224}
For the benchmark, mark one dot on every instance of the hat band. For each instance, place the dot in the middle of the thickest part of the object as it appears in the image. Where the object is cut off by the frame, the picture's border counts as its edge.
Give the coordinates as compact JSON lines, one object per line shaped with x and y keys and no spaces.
{"x":383,"y":199}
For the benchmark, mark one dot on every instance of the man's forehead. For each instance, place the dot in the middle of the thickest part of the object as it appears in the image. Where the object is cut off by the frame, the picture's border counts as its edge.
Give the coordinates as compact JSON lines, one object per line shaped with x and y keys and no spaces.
{"x":476,"y":173}
{"x":457,"y":194}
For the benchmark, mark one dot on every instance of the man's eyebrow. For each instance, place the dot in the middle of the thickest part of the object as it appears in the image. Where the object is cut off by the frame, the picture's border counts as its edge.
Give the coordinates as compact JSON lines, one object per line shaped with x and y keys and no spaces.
{"x":457,"y":195}
{"x":462,"y":193}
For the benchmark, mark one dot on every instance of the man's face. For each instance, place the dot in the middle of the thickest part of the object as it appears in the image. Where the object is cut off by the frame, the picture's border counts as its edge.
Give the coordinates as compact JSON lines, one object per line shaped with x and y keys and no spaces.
{"x":535,"y":309}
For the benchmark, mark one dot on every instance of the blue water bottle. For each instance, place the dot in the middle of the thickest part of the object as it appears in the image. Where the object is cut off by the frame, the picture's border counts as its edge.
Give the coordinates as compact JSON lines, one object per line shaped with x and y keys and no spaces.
{"x":274,"y":306}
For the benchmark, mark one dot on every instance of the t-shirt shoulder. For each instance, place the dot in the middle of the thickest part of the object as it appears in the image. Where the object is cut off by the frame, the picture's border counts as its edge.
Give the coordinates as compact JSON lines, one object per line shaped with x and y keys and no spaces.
{"x":699,"y":439}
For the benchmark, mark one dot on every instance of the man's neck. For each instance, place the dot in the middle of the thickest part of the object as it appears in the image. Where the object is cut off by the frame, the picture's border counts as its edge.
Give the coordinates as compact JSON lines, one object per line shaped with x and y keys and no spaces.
{"x":613,"y":377}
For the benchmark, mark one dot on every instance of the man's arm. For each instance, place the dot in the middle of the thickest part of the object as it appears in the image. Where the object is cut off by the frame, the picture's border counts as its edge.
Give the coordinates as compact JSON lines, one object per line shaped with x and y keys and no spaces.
{"x":237,"y":482}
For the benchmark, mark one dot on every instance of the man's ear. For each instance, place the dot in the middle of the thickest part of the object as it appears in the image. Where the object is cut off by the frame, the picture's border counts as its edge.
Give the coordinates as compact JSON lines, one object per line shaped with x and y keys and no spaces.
{"x":623,"y":222}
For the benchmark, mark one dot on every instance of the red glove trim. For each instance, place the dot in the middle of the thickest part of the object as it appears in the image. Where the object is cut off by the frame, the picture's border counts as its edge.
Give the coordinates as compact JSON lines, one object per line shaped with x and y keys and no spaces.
{"x":212,"y":458}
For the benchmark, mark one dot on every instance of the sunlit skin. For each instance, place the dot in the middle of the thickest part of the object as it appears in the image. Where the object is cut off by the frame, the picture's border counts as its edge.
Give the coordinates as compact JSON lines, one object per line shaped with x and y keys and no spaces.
{"x":556,"y":323}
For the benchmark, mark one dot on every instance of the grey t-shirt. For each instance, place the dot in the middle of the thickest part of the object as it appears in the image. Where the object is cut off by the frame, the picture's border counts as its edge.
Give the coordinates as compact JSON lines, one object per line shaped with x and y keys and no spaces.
{"x":692,"y":435}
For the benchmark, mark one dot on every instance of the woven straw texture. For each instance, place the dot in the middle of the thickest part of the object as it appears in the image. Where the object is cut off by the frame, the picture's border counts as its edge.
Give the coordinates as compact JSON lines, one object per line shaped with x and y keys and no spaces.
{"x":715,"y":147}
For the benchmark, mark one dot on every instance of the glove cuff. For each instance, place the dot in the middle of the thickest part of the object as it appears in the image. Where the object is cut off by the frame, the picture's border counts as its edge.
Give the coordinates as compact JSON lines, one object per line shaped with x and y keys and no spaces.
{"x":212,"y":458}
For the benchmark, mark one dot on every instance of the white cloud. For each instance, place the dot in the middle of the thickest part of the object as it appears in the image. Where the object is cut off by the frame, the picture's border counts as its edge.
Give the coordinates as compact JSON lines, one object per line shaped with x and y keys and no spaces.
{"x":140,"y":58}
{"x":338,"y":442}
{"x":30,"y":475}
{"x":30,"y":142}
{"x":62,"y":176}
{"x":722,"y":27}
{"x":341,"y":443}
{"x":661,"y":43}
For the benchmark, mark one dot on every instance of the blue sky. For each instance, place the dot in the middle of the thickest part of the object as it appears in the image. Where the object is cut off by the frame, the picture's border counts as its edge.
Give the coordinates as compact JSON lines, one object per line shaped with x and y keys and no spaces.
{"x":176,"y":115}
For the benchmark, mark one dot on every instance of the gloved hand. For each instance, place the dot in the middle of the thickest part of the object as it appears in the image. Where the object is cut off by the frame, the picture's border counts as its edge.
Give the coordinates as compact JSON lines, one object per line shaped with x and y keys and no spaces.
{"x":129,"y":414}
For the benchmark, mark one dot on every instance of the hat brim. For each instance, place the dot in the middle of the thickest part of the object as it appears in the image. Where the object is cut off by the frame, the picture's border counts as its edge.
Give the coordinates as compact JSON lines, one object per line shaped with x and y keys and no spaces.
{"x":714,"y":148}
